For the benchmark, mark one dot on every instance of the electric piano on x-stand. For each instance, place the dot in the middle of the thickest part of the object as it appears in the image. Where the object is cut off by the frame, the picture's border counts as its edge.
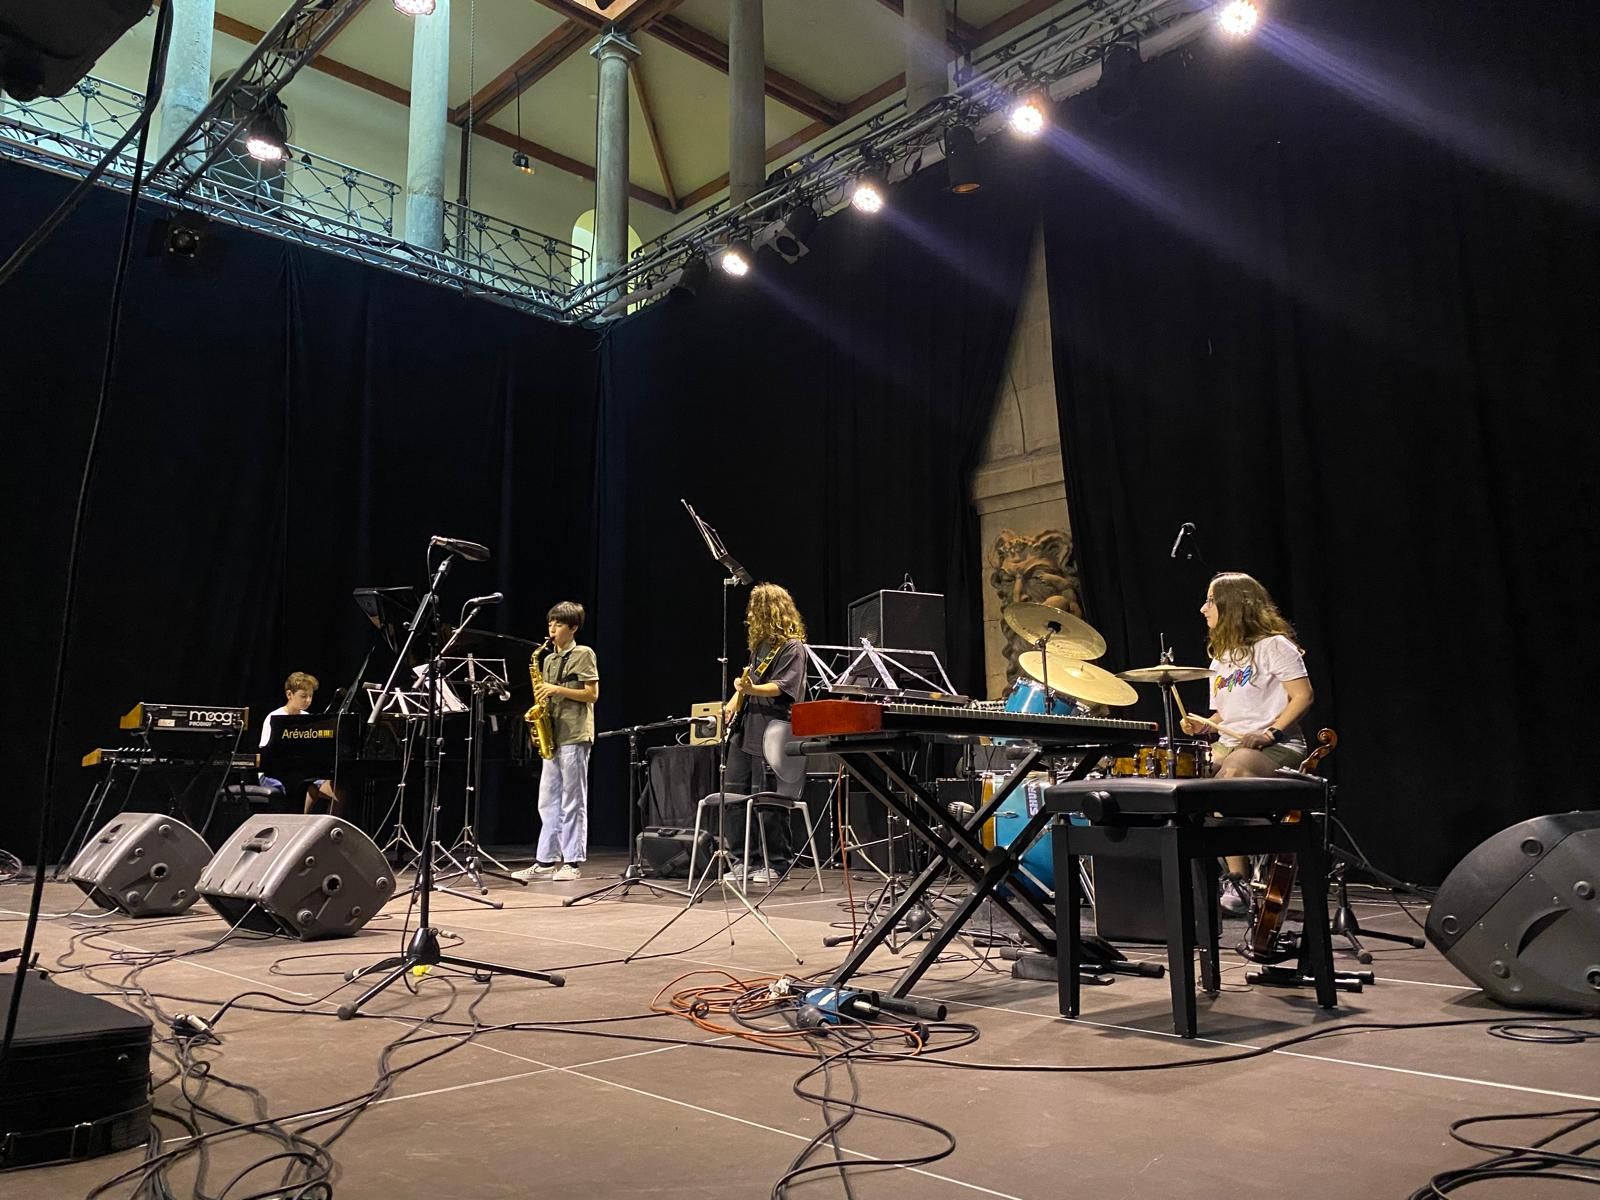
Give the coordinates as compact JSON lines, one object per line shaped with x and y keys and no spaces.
{"x":872,"y":740}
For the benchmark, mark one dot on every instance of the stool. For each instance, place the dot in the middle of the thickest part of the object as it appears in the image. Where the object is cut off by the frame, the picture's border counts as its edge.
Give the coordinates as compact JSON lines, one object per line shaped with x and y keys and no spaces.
{"x":1172,"y":820}
{"x":751,"y":803}
{"x":786,"y":804}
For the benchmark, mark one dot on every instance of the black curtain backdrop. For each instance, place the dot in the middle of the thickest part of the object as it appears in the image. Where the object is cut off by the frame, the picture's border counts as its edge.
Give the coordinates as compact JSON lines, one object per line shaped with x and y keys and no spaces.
{"x":1332,"y":296}
{"x":284,"y":426}
{"x":825,"y":417}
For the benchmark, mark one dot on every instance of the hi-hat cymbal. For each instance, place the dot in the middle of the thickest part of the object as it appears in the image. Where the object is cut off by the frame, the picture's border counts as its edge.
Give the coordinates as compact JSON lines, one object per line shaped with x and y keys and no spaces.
{"x":1068,"y":635}
{"x":1081,"y":680}
{"x":1165,"y":674}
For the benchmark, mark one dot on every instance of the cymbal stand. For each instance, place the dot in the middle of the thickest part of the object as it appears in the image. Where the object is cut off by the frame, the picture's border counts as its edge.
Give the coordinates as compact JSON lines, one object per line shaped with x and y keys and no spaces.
{"x":423,"y":950}
{"x":483,"y":681}
{"x":1166,"y":712}
{"x":633,"y":874}
{"x":720,"y":859}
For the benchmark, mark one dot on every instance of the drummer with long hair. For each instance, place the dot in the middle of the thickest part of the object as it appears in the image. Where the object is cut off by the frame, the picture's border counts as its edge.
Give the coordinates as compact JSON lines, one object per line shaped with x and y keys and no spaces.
{"x":1259,"y":692}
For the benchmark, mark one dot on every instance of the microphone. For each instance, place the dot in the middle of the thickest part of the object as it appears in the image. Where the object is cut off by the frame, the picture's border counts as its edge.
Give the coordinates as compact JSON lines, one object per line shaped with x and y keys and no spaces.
{"x":471,"y":551}
{"x":1184,"y":531}
{"x":491,"y":598}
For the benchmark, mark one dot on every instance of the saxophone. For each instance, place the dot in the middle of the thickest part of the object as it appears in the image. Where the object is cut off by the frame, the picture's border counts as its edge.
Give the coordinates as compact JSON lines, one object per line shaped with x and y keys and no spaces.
{"x":538,"y":717}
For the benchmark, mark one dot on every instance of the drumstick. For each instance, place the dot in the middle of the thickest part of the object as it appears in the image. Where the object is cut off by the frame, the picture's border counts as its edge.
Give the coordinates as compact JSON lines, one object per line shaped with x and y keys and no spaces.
{"x":1182,"y":711}
{"x":1219,"y":728}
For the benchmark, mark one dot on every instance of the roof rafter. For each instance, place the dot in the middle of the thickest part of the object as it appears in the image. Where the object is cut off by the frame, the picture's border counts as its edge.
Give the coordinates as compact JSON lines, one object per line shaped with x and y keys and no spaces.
{"x":635,"y":72}
{"x":401,"y":96}
{"x":555,"y":48}
{"x":958,"y":33}
{"x":1000,"y":25}
{"x":696,"y":43}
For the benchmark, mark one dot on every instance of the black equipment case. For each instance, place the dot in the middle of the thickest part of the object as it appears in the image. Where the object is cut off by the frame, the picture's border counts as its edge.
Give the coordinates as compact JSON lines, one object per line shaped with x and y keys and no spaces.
{"x":76,"y":1084}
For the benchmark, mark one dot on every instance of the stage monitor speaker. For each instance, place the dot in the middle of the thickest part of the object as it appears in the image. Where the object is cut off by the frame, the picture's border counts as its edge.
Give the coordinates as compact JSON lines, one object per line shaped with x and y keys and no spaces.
{"x":900,"y":621}
{"x":308,"y":876}
{"x":1129,"y":900}
{"x":143,"y":864}
{"x":1519,"y":915}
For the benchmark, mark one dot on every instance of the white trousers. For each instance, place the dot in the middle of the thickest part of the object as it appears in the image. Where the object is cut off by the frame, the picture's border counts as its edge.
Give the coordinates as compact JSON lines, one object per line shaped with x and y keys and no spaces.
{"x":564,"y":805}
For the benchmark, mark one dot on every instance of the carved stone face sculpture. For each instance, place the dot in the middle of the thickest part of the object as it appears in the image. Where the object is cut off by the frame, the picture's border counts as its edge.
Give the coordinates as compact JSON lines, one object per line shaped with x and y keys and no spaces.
{"x":1033,"y":568}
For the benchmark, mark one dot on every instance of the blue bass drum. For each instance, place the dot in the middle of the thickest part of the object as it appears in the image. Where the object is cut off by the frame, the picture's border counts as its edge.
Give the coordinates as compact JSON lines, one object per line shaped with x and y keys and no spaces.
{"x":1009,"y":822}
{"x":1027,"y":696}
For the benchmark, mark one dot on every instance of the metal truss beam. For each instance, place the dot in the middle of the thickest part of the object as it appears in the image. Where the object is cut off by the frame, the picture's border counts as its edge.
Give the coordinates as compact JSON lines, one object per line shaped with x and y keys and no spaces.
{"x":297,"y":38}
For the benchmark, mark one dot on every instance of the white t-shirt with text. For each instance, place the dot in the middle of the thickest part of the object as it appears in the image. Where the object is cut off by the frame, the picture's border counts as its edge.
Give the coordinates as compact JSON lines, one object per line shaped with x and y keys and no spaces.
{"x":1247,"y":691}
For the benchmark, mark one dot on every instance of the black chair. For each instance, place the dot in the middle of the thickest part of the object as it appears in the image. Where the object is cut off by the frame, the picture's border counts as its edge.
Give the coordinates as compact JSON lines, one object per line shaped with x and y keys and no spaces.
{"x":1187,"y":824}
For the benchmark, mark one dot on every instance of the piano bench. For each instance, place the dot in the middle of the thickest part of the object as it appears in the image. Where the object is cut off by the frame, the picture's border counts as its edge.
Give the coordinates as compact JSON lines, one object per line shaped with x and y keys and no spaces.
{"x":1172,"y":821}
{"x":254,"y":795}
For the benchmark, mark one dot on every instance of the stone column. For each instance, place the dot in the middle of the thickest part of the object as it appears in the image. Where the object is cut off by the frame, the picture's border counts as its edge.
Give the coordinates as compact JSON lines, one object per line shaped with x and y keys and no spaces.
{"x":747,"y":100}
{"x":426,"y":140}
{"x":926,"y":59}
{"x":187,"y":86}
{"x":613,"y":52}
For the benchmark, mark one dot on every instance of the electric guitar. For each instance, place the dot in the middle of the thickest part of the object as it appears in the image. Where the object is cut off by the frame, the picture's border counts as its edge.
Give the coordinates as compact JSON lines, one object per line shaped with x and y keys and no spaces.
{"x":735,"y":706}
{"x":1277,"y":884}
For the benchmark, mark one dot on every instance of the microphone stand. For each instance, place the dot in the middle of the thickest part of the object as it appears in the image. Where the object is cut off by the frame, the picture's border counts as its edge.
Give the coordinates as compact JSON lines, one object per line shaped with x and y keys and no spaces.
{"x":423,"y":949}
{"x":633,"y":874}
{"x":720,"y":858}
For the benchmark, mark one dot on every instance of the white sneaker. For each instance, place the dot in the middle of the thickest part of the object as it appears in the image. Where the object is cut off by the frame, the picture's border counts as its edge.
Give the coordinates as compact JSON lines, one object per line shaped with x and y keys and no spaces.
{"x":537,"y":871}
{"x":565,"y":872}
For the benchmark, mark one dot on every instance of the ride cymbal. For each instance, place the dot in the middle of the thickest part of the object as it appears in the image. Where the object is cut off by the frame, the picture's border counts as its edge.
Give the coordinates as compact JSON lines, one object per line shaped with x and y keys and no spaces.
{"x":1165,"y":674}
{"x":1080,"y":680}
{"x":1067,"y":635}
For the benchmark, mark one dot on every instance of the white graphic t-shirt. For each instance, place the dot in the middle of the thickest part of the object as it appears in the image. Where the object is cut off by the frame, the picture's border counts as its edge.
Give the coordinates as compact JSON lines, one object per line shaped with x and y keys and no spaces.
{"x":1247,"y":691}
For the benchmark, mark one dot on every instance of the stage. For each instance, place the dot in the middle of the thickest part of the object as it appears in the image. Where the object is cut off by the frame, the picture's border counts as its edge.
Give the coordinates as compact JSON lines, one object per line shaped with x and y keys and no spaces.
{"x":568,"y":1114}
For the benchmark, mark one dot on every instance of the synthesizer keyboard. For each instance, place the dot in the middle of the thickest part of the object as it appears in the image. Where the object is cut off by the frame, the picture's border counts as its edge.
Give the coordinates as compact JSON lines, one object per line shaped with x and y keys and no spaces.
{"x":838,"y":718}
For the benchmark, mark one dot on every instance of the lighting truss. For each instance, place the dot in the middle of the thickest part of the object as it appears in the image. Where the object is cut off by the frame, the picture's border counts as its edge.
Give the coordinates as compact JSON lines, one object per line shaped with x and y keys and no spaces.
{"x":1061,"y":55}
{"x":297,"y":38}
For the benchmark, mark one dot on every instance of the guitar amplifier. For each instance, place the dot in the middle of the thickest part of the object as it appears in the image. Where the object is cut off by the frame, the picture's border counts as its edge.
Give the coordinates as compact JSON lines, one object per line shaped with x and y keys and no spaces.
{"x":665,"y":851}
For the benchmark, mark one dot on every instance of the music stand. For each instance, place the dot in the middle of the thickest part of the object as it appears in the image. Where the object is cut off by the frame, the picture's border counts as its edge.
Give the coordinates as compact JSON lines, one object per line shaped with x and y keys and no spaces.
{"x":423,"y":949}
{"x":483,"y":677}
{"x":720,"y":857}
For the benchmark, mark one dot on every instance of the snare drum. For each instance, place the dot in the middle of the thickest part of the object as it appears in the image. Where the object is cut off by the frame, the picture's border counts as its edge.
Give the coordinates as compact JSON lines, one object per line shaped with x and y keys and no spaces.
{"x":1027,"y":696}
{"x":1151,"y":761}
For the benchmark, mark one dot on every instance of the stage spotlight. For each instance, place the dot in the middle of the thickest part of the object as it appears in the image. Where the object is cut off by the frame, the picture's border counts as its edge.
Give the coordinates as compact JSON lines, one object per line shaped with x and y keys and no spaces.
{"x":1030,"y":113}
{"x":735,"y":258}
{"x":264,"y":144}
{"x":414,"y":8}
{"x":1238,"y":18}
{"x":870,"y":190}
{"x":521,"y":162}
{"x":1116,"y":94}
{"x":791,"y":239}
{"x":961,"y":159}
{"x":694,"y":276}
{"x":183,"y":240}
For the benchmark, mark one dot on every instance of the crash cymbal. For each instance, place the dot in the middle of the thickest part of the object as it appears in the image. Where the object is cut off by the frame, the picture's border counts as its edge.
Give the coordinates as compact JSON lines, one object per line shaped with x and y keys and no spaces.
{"x":1164,"y":674}
{"x":1081,"y":680}
{"x":1069,"y":635}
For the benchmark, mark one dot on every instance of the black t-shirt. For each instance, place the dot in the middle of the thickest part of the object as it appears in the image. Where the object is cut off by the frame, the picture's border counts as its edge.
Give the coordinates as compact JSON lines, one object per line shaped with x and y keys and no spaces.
{"x":788,"y":671}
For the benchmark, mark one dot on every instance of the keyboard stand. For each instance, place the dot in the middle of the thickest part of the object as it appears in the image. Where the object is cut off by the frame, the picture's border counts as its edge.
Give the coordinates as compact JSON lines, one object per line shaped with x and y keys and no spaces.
{"x":873,"y":762}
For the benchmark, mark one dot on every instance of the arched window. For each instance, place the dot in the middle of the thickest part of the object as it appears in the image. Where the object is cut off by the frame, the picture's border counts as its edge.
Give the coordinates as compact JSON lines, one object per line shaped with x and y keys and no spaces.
{"x":583,"y":239}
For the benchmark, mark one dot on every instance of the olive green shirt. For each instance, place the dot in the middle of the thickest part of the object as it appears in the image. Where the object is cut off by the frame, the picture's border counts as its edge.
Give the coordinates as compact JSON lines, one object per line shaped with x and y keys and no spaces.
{"x":571,"y":720}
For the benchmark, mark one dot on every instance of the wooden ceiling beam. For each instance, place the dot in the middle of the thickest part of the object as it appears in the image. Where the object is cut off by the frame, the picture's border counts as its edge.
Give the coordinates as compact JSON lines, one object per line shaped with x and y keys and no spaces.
{"x":571,"y":165}
{"x":1007,"y":22}
{"x":500,"y":92}
{"x":696,"y":43}
{"x":382,"y":87}
{"x":636,"y":74}
{"x":644,"y":13}
{"x":958,"y":33}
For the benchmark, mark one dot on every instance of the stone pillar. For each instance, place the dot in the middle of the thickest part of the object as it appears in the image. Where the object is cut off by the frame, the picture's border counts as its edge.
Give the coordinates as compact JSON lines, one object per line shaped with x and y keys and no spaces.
{"x":187,"y":87}
{"x":747,"y":100}
{"x":425,"y":143}
{"x":613,"y":52}
{"x":926,"y":59}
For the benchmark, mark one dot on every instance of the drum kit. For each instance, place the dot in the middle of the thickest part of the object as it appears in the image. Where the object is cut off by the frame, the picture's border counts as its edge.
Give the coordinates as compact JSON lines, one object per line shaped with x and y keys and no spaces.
{"x":1059,"y":678}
